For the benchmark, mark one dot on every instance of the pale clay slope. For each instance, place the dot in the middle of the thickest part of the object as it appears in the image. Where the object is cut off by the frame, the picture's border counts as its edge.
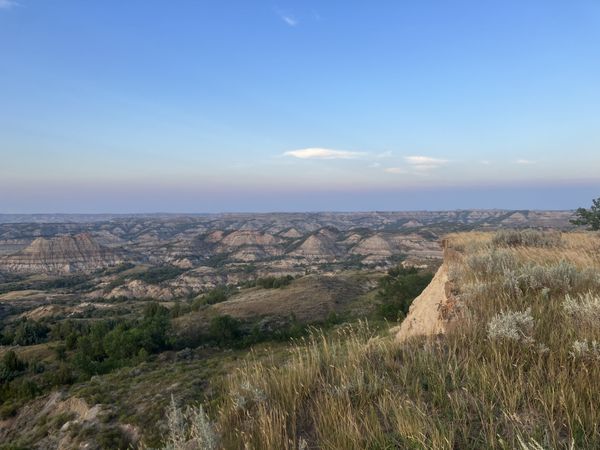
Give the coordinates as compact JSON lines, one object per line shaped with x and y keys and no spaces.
{"x":424,"y":316}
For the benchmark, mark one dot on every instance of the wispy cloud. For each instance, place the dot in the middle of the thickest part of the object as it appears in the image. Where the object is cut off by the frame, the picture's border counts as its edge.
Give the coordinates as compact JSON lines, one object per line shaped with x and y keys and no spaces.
{"x":288,"y":19}
{"x":7,"y":4}
{"x":424,"y":162}
{"x":524,"y":161}
{"x":324,"y":153}
{"x":485,"y":162}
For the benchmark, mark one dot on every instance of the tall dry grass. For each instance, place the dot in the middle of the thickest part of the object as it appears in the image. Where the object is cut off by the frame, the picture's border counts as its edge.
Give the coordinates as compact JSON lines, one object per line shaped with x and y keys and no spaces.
{"x":521,"y":369}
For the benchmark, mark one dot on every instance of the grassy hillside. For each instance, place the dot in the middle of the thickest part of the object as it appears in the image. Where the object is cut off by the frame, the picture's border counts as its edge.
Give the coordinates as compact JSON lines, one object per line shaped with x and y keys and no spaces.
{"x":519,"y":368}
{"x":103,"y":381}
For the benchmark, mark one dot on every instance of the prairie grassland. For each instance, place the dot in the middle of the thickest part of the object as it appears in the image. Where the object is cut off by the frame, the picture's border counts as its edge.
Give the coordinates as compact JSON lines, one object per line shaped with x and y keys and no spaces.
{"x":521,"y":368}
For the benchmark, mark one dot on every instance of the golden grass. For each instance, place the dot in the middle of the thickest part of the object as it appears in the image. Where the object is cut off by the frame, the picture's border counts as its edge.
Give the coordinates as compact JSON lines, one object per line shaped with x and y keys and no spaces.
{"x":579,"y":248}
{"x":310,"y":298}
{"x":356,"y":390}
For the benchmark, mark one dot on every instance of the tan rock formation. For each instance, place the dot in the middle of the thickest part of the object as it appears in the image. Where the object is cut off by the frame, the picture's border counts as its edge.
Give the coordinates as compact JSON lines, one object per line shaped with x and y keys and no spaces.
{"x":426,"y":314}
{"x":374,"y":245}
{"x":317,"y":246}
{"x":247,"y":237}
{"x":62,"y":254}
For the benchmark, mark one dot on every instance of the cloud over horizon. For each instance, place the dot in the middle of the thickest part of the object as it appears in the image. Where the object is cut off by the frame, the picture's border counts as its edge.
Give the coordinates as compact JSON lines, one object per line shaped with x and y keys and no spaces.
{"x":424,"y":162}
{"x":323,"y":153}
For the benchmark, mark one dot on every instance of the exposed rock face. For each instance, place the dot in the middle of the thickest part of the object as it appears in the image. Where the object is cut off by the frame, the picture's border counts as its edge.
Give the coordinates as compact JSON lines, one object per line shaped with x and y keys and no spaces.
{"x":425,"y":314}
{"x":244,"y":237}
{"x":412,"y":224}
{"x":319,"y":245}
{"x":62,"y":254}
{"x":374,"y":245}
{"x":139,"y":289}
{"x":291,"y":233}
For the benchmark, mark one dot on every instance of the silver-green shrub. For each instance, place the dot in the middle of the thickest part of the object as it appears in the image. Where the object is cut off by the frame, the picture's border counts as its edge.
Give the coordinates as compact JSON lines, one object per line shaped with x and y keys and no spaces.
{"x":561,"y":277}
{"x":189,"y":429}
{"x":491,"y":264}
{"x":586,"y":349}
{"x":512,"y":325}
{"x":584,"y":308}
{"x":526,"y":238}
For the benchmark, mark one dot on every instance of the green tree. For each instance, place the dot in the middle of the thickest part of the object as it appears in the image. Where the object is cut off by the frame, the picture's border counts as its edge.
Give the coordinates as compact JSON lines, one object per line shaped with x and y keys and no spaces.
{"x":588,"y":217}
{"x":10,"y":366}
{"x":30,"y":332}
{"x":398,"y":289}
{"x":225,"y":330}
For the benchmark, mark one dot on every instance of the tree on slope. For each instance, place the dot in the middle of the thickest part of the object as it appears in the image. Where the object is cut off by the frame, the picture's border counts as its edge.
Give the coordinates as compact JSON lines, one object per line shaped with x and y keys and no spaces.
{"x":589,"y":217}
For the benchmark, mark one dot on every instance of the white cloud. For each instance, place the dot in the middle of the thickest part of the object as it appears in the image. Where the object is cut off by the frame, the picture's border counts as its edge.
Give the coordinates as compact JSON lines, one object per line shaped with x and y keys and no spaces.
{"x":424,"y":162}
{"x":375,"y":165}
{"x":323,"y":153}
{"x":394,"y":170}
{"x":291,"y":21}
{"x":485,"y":162}
{"x":7,"y":4}
{"x":524,"y":161}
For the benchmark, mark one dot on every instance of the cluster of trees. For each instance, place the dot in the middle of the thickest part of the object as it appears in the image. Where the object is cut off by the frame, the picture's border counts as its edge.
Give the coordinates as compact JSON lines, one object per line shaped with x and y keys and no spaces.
{"x":83,"y":349}
{"x":270,"y":282}
{"x":398,"y":289}
{"x":106,"y":346}
{"x":155,"y":275}
{"x":11,"y":387}
{"x":216,"y":295}
{"x":24,"y":332}
{"x":71,"y":282}
{"x":588,"y":217}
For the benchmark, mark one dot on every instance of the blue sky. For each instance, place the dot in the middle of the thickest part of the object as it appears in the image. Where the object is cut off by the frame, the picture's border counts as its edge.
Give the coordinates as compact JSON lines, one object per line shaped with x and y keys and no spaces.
{"x":205,"y":106}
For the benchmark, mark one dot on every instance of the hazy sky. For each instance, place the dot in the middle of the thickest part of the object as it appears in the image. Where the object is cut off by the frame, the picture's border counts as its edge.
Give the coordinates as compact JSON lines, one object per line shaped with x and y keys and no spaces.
{"x":204,"y":106}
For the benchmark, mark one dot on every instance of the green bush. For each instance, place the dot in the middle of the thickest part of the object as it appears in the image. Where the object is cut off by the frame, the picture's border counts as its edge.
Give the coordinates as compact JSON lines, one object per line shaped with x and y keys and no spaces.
{"x":216,"y":295}
{"x":8,"y":410}
{"x":588,"y":217}
{"x":271,"y":282}
{"x":30,"y":332}
{"x":155,"y":275}
{"x":10,"y":367}
{"x":108,"y":345}
{"x":225,"y":330}
{"x":398,"y":289}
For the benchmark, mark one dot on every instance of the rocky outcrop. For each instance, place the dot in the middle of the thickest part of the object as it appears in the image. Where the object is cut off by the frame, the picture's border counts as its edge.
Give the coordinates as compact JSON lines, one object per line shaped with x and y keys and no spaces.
{"x":375,"y":245}
{"x":292,"y":233}
{"x":62,"y":254}
{"x":320,"y":245}
{"x":139,"y":289}
{"x":425,"y":317}
{"x":245,"y":237}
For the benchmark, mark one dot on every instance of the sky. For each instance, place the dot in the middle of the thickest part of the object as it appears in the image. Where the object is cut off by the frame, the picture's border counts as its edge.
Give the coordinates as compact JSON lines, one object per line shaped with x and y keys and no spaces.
{"x":213,"y":106}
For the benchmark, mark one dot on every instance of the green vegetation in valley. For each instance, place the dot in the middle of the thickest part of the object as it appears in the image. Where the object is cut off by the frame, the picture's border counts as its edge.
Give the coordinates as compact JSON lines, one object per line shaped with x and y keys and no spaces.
{"x":270,"y":282}
{"x":156,"y":275}
{"x":398,"y":289}
{"x":588,"y":217}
